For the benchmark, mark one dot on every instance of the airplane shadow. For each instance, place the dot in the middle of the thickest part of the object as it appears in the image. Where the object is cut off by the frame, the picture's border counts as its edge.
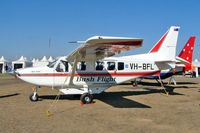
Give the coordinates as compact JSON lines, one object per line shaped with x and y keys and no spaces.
{"x":9,"y":95}
{"x":117,"y":99}
{"x":112,"y":98}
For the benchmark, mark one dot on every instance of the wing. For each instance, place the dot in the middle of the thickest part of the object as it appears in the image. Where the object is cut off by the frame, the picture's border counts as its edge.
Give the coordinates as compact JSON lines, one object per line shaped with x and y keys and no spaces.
{"x":99,"y":47}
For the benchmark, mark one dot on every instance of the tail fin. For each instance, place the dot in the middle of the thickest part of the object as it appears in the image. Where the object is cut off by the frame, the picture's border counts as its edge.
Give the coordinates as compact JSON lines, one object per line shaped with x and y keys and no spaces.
{"x":187,"y":51}
{"x":165,"y":48}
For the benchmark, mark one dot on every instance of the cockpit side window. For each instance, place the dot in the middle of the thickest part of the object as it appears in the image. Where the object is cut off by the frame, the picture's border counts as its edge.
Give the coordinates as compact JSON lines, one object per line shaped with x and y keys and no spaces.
{"x":111,"y":65}
{"x":51,"y":64}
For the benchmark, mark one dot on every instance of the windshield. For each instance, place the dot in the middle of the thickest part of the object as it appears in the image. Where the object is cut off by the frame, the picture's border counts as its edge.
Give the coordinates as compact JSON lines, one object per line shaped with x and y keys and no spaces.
{"x":51,"y":64}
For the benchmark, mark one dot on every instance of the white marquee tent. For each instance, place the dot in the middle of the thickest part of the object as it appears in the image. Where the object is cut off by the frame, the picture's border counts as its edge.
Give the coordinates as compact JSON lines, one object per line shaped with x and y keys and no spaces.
{"x":42,"y":62}
{"x":3,"y":65}
{"x":196,"y":63}
{"x":51,"y":59}
{"x":22,"y":62}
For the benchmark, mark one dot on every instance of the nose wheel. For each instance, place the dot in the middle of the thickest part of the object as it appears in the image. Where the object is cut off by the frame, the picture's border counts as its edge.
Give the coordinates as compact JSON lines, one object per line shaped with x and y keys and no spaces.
{"x":34,"y":96}
{"x":86,"y":98}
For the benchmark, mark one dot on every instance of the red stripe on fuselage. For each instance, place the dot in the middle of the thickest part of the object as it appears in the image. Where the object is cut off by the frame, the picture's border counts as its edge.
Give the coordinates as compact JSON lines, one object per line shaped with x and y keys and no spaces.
{"x":124,"y":74}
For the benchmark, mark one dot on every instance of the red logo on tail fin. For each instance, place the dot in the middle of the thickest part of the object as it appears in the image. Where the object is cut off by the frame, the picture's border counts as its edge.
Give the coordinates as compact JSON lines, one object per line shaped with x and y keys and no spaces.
{"x":158,"y":44}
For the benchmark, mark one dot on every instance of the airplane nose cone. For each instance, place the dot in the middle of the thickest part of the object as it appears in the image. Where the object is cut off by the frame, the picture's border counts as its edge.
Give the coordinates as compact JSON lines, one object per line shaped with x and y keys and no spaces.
{"x":16,"y":73}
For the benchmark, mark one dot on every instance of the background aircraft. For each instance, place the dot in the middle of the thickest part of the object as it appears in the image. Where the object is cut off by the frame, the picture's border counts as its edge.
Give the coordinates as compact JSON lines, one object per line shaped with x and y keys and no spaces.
{"x":187,"y":54}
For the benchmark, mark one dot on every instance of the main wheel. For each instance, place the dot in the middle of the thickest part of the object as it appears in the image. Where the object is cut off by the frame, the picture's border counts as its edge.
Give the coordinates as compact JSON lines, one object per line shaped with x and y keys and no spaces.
{"x":86,"y":98}
{"x":33,"y":97}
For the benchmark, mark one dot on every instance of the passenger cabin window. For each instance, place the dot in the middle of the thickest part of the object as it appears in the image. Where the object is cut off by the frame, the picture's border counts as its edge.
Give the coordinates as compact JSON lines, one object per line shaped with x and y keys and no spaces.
{"x":111,"y":65}
{"x":62,"y":66}
{"x":81,"y":66}
{"x":99,"y":66}
{"x":120,"y":65}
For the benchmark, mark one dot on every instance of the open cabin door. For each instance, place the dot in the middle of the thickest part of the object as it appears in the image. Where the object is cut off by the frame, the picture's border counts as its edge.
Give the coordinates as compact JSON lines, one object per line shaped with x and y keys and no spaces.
{"x":61,"y":73}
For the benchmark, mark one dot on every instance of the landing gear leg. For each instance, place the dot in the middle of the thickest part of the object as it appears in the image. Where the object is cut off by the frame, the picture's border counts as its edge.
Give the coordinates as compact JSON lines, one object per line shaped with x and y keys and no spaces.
{"x":162,"y":86}
{"x":34,"y":96}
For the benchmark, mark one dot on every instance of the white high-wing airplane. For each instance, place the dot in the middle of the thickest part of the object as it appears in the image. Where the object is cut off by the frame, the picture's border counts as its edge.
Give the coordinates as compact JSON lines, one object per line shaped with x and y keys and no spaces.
{"x":90,"y":69}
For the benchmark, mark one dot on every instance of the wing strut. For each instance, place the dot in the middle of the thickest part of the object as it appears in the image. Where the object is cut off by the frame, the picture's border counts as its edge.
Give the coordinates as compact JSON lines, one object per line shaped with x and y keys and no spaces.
{"x":73,"y":70}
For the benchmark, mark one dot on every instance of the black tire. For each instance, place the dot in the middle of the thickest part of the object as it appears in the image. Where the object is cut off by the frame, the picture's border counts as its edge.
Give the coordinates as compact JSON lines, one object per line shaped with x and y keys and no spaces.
{"x":86,"y":98}
{"x":32,"y":98}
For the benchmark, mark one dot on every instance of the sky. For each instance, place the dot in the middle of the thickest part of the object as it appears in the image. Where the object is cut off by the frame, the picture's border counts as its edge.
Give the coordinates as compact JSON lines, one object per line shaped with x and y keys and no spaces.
{"x":34,"y":28}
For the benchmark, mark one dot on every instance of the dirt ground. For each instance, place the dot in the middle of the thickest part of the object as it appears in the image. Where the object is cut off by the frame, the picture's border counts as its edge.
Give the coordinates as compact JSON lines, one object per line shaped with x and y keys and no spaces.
{"x":121,"y":109}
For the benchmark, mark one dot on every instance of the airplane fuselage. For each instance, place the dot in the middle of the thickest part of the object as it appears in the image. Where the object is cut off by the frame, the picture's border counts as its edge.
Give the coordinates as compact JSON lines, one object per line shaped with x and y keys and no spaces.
{"x":111,"y":71}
